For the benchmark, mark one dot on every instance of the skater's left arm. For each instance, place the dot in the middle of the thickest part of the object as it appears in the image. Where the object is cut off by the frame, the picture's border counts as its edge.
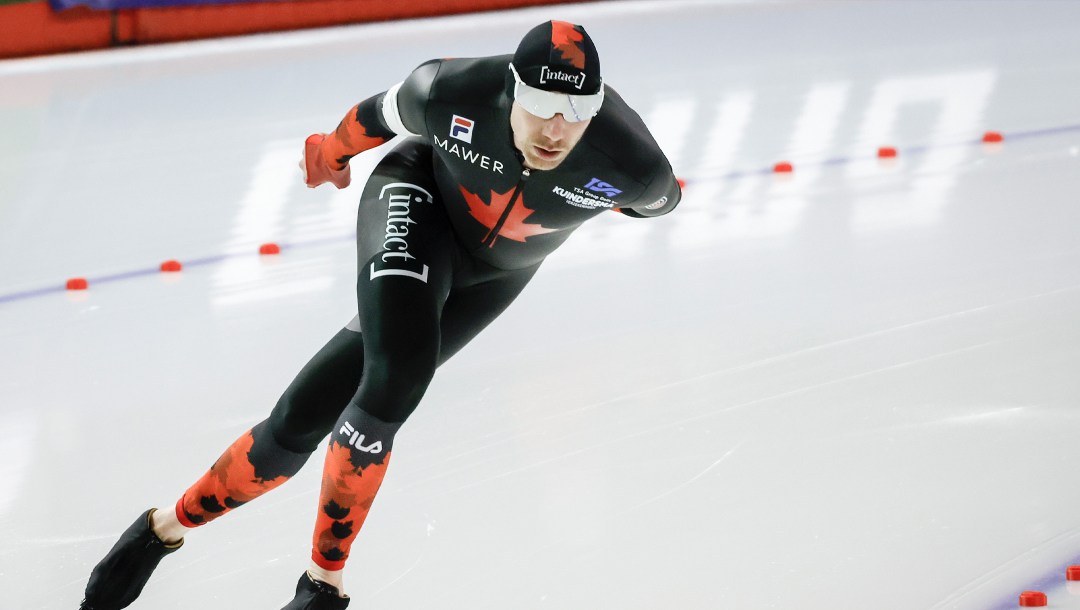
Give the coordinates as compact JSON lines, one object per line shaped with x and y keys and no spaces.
{"x":659,"y":198}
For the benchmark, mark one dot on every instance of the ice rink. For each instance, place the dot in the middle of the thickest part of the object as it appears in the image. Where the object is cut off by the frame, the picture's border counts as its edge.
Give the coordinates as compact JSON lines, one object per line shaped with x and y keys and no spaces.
{"x":853,"y":387}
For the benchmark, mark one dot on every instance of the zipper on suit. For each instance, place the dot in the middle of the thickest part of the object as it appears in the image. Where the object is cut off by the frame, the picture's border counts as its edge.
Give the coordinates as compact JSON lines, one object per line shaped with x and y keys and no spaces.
{"x":493,"y":234}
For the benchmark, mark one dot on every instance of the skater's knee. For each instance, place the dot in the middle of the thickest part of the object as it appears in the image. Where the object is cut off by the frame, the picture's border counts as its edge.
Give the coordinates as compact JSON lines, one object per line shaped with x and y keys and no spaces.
{"x":392,"y":388}
{"x":298,"y":428}
{"x":403,"y":362}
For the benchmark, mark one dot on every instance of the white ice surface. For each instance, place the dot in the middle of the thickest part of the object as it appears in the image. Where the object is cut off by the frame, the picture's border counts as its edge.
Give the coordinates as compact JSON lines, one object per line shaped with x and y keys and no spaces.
{"x":854,"y":388}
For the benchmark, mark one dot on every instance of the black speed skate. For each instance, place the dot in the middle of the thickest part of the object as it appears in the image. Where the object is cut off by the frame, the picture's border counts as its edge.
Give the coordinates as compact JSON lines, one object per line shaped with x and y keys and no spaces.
{"x":119,"y":578}
{"x":314,"y":594}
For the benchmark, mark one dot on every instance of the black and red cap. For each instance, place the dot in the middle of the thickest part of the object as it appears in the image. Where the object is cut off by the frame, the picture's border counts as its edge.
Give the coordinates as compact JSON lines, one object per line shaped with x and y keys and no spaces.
{"x":559,"y":56}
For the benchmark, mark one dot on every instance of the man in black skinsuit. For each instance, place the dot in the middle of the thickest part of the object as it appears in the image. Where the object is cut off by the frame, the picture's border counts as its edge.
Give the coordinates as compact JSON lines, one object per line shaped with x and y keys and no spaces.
{"x":503,"y":157}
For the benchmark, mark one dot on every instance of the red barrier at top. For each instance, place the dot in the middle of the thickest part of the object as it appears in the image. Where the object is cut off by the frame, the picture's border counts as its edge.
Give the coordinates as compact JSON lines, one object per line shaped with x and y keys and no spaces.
{"x":32,"y":28}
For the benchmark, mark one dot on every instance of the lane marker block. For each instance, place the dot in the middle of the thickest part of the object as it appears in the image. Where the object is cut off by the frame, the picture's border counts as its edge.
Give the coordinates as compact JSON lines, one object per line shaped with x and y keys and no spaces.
{"x":1072,"y":573}
{"x":886,"y":152}
{"x":269,"y":248}
{"x":171,"y":266}
{"x":1032,"y":599}
{"x":77,"y":283}
{"x":783,"y":167}
{"x":992,"y":137}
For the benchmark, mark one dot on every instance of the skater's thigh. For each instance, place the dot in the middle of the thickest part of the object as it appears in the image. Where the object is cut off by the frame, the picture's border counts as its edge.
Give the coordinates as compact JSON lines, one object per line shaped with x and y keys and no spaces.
{"x":405,"y":253}
{"x":470,"y":309}
{"x":402,"y":228}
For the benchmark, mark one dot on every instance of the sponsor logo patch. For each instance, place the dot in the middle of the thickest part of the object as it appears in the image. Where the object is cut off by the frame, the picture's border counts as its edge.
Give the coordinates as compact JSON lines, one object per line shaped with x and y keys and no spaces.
{"x":396,"y":259}
{"x":597,"y":185}
{"x":659,"y":203}
{"x":580,"y":199}
{"x":467,"y":154}
{"x":558,"y":75}
{"x":462,"y":128}
{"x":357,"y":440}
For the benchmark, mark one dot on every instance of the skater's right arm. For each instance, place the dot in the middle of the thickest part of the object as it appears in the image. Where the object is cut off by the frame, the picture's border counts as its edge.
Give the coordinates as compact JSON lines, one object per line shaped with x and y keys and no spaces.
{"x":372,"y":122}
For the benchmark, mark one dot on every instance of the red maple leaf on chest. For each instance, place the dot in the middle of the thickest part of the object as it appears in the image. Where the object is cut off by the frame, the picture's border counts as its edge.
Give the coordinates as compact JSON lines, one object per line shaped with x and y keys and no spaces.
{"x":514,"y":227}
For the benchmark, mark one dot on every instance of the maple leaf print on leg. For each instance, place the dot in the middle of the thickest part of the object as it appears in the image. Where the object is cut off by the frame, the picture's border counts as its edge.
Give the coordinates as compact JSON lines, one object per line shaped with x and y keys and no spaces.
{"x":230,"y":483}
{"x":347,"y":494}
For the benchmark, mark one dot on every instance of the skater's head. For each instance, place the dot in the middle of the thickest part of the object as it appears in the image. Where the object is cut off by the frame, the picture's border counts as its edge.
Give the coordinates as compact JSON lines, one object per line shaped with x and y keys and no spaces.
{"x":556,"y":88}
{"x":557,"y":56}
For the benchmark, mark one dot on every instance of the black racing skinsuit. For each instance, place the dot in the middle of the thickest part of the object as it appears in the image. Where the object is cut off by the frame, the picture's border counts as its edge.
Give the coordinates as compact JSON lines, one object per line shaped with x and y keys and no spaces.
{"x":451,"y":227}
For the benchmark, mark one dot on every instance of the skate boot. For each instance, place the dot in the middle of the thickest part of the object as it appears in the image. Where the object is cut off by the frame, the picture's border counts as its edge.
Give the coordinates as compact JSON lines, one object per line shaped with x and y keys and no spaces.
{"x":119,"y":578}
{"x":314,"y":594}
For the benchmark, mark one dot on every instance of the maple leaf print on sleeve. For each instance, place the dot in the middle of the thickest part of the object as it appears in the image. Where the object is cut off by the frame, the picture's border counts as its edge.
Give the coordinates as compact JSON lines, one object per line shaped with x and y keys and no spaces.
{"x":350,"y":139}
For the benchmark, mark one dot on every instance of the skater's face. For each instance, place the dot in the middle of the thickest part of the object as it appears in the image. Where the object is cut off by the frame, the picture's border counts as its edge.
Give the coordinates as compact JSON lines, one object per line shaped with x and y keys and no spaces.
{"x":544,"y":143}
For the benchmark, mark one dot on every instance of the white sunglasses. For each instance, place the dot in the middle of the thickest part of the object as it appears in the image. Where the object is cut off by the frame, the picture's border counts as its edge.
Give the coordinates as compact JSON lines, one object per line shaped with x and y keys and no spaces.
{"x":546,"y":104}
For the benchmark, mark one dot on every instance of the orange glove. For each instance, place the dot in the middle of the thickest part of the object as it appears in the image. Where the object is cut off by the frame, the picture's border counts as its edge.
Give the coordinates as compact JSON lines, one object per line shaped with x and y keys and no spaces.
{"x":315,"y":168}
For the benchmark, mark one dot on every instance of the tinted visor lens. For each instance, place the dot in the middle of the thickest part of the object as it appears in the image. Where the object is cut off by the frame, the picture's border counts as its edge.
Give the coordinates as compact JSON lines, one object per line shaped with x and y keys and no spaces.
{"x":546,"y":104}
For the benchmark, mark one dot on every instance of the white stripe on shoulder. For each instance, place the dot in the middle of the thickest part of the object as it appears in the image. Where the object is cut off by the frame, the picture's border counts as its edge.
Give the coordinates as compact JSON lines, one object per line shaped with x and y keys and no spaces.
{"x":391,"y":114}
